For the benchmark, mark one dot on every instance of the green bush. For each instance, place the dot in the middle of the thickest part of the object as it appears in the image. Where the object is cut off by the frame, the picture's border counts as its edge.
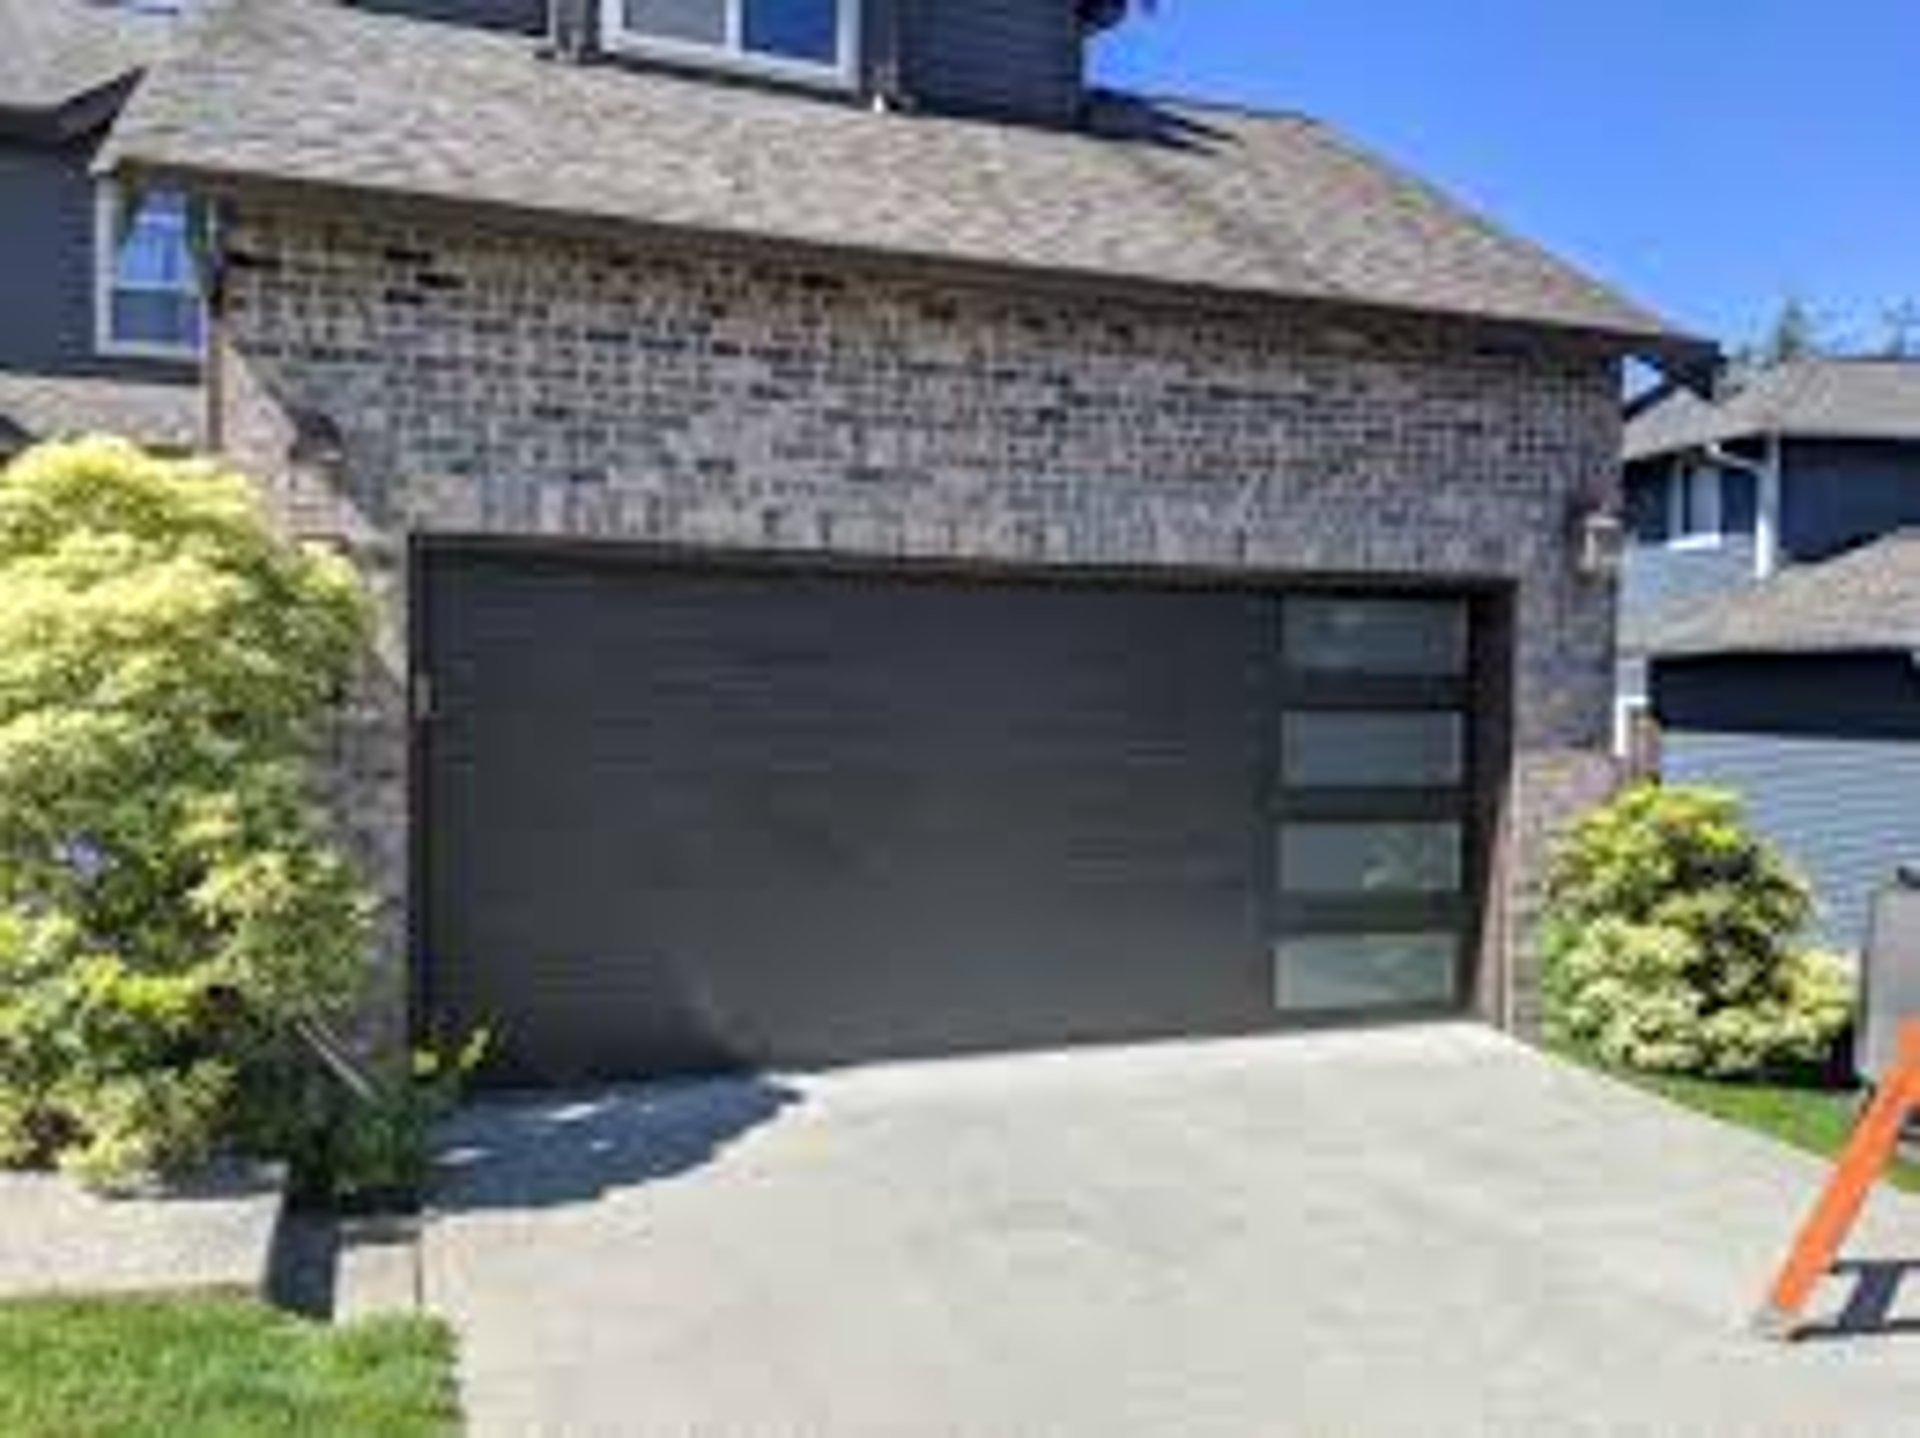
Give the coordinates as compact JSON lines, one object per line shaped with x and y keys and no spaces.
{"x":1672,"y":942}
{"x":365,"y":1149}
{"x":171,"y":899}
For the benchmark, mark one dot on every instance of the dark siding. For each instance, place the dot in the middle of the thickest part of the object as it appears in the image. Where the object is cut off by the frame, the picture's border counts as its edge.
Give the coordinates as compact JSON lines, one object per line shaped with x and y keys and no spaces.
{"x":1849,"y":696}
{"x":527,"y":17}
{"x":1011,"y":57}
{"x":46,"y":258}
{"x":1838,"y":495}
{"x":46,"y":266}
{"x":1846,"y":811}
{"x":1644,"y":491}
{"x":1740,"y":502}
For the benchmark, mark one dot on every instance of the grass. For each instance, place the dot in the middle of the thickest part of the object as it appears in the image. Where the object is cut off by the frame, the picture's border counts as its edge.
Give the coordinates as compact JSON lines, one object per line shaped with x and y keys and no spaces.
{"x":1803,"y":1113}
{"x":167,"y":1368}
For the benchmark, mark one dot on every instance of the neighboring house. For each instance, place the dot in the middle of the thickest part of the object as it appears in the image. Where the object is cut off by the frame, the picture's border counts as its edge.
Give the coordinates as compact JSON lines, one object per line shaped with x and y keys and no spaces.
{"x":1794,"y":464}
{"x":887,"y":550}
{"x":1804,"y":694}
{"x":101,"y":320}
{"x":1746,"y":513}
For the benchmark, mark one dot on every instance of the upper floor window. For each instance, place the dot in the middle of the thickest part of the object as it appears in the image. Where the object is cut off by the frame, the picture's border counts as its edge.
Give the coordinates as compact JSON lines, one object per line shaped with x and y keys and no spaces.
{"x":1696,"y":506}
{"x":810,"y":40}
{"x":149,"y":300}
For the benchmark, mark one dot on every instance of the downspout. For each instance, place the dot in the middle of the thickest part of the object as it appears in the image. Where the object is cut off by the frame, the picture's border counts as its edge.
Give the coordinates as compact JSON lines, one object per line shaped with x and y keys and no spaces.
{"x":1766,"y":519}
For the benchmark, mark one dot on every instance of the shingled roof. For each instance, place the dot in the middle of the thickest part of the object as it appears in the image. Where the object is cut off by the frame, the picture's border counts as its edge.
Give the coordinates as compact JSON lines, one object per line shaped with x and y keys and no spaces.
{"x":316,"y":93}
{"x":1866,"y":600}
{"x":1870,"y":399}
{"x":53,"y":52}
{"x":40,"y":406}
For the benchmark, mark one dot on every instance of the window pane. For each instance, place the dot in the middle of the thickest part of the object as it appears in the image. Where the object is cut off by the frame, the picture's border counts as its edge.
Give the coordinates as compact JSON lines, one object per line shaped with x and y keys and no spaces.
{"x":1415,"y":637}
{"x":1336,"y":750}
{"x":1355,"y":859}
{"x":794,"y":29}
{"x":157,"y":317}
{"x":1362,"y":971}
{"x":156,"y":250}
{"x":700,"y":22}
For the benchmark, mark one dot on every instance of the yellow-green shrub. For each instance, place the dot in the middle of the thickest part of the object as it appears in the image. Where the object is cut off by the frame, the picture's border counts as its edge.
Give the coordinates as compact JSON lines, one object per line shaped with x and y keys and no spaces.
{"x":171,"y":899}
{"x":1672,"y":941}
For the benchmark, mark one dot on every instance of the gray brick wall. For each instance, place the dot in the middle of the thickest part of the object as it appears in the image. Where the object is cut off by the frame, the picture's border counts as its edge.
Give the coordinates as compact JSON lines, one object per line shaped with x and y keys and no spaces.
{"x":488,"y":382}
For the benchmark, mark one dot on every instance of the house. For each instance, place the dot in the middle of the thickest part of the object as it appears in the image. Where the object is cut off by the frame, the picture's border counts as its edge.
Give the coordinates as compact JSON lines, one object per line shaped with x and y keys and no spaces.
{"x":1761,"y":522}
{"x":100,"y":317}
{"x":887,"y":549}
{"x":1803,"y":693}
{"x":1791,"y":465}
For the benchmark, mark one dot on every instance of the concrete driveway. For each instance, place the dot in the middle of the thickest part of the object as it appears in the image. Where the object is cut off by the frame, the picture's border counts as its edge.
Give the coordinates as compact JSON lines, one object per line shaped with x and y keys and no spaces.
{"x":1430,"y":1232}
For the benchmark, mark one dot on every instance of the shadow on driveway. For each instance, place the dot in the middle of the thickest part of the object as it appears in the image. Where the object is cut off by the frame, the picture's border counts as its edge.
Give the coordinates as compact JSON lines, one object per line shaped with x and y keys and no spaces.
{"x":1872,"y":1307}
{"x":549,"y":1150}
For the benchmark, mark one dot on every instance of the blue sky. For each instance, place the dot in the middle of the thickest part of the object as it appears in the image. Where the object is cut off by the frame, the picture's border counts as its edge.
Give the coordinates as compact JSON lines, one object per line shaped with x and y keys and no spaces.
{"x":1709,"y":156}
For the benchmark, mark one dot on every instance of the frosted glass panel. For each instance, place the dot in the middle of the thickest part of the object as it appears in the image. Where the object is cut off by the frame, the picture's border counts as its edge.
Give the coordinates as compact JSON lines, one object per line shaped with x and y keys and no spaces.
{"x":1341,"y":860}
{"x":1349,"y":750}
{"x":1418,"y":638}
{"x":1339,"y":972}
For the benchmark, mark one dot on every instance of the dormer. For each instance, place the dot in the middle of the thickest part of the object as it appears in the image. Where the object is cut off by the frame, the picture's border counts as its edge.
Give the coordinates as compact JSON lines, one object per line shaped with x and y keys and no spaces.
{"x":1012,"y":59}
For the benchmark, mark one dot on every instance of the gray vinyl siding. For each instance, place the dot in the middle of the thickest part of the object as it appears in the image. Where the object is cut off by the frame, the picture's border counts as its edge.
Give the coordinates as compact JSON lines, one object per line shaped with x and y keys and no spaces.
{"x":1846,"y":811}
{"x":1840,"y":494}
{"x":1013,"y":57}
{"x":527,"y":17}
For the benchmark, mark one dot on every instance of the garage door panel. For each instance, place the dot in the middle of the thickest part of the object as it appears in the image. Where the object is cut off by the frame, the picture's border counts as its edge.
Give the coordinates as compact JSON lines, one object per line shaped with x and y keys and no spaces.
{"x":686,"y":819}
{"x":779,"y":818}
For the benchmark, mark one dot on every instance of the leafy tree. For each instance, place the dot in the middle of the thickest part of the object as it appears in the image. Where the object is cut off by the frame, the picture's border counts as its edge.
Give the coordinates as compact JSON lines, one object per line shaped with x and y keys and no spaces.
{"x":171,"y":898}
{"x":1672,"y":942}
{"x":1795,"y":333}
{"x":1901,"y":322}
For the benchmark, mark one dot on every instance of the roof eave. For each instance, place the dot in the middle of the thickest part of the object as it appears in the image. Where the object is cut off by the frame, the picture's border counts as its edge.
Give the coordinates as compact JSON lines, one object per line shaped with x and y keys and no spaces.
{"x":1670,"y":351}
{"x":1810,"y":650}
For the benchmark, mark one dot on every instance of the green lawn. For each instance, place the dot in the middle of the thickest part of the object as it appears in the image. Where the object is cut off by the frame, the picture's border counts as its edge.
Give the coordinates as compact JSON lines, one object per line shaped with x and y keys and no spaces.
{"x":181,"y":1368}
{"x":1805,"y":1115}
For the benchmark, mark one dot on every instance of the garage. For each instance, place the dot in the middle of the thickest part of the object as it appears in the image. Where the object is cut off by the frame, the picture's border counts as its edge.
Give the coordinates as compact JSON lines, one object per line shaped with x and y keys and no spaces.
{"x":684,"y":818}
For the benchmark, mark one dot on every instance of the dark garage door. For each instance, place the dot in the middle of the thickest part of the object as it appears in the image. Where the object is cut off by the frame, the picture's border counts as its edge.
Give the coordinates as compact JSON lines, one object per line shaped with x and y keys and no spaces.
{"x":682,"y":819}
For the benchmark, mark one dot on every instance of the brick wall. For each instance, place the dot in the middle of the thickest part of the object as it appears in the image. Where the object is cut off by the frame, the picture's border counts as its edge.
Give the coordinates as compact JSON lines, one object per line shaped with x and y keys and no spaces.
{"x":421,"y":378}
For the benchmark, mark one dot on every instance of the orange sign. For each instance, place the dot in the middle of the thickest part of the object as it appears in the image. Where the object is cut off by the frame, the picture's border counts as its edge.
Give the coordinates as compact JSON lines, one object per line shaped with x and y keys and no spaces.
{"x":1859,"y":1167}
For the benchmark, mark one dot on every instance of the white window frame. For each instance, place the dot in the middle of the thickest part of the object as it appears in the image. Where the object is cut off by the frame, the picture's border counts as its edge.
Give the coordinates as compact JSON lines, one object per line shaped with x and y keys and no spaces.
{"x":1627,"y":710}
{"x":108,"y":199}
{"x":1706,"y":486}
{"x":731,"y":54}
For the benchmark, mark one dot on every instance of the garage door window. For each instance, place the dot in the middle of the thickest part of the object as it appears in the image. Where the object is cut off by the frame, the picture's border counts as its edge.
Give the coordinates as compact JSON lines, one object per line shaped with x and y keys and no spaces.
{"x":1372,"y":832}
{"x":1393,"y":637}
{"x":1360,"y":859}
{"x":1340,"y":973}
{"x":1359,"y":750}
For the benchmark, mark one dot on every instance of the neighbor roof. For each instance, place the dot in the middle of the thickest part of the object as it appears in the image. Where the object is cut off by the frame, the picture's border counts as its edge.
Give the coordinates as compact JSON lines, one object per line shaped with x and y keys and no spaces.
{"x":1865,"y":399}
{"x":39,"y":406}
{"x":1867,"y":599}
{"x":53,"y":52}
{"x":308,"y":91}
